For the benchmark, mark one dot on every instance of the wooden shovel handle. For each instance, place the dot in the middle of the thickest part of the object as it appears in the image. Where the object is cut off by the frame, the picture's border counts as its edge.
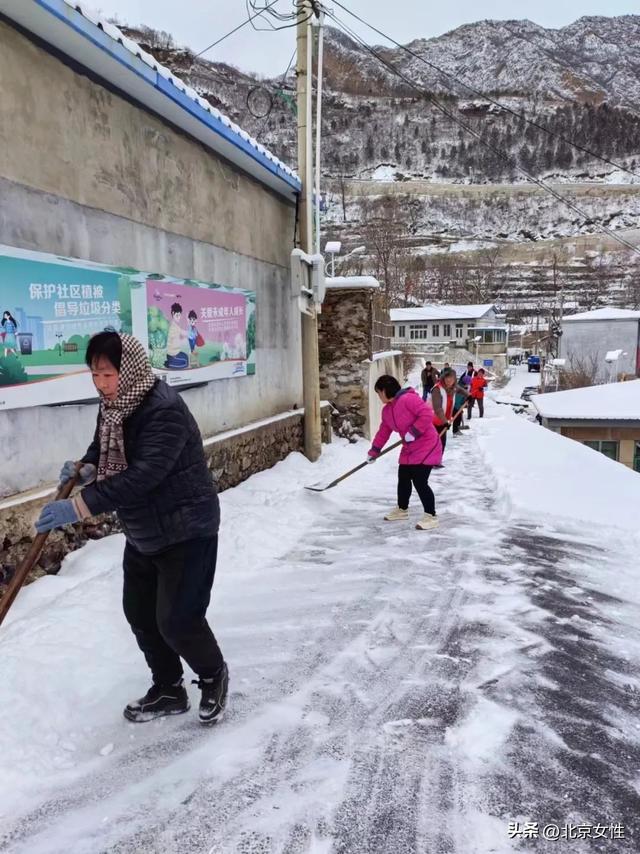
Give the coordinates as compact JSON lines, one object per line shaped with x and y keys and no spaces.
{"x":31,"y":557}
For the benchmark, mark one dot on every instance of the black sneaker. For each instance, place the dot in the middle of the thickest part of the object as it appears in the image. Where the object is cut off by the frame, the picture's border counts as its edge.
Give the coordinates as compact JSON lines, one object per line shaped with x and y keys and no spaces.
{"x":159,"y":701}
{"x":214,"y":696}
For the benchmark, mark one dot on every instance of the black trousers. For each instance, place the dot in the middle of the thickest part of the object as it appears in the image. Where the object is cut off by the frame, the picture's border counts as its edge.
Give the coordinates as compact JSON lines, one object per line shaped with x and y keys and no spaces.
{"x":417,"y":476}
{"x":480,"y":402}
{"x":165,"y":599}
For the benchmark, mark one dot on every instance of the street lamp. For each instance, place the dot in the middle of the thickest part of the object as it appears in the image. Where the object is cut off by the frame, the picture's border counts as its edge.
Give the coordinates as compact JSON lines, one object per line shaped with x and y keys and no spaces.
{"x":477,"y":339}
{"x":333,"y":247}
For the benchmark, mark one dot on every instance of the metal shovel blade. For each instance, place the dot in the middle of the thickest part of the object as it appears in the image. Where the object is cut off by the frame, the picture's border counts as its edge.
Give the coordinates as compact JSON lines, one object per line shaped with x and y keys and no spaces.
{"x":321,"y":486}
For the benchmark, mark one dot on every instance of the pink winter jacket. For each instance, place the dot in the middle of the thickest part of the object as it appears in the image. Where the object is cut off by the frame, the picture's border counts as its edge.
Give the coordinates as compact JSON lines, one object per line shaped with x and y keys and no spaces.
{"x":408,"y":413}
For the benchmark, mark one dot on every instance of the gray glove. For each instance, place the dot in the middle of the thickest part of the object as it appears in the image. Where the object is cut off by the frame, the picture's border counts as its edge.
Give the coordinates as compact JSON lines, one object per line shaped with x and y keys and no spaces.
{"x":85,"y":476}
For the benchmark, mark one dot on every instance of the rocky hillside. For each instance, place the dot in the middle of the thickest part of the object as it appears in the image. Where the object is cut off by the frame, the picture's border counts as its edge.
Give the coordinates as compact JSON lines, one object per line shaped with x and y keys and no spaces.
{"x":397,"y":168}
{"x":581,"y":82}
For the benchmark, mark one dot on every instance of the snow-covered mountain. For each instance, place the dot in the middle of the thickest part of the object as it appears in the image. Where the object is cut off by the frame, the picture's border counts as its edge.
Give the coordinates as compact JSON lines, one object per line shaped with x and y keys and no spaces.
{"x":406,"y":144}
{"x":581,"y":82}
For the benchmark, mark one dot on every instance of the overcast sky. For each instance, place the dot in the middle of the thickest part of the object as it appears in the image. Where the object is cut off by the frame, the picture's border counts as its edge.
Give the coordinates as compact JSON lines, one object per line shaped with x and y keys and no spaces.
{"x":198,"y":23}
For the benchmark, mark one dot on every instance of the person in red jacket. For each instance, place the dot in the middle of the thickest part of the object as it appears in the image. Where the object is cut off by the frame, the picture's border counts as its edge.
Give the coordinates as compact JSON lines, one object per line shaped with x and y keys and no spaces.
{"x":478,"y":385}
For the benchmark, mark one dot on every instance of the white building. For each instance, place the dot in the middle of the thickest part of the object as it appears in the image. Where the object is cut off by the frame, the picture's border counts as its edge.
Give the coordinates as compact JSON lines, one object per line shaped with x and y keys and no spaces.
{"x":588,"y":337}
{"x":430,"y":329}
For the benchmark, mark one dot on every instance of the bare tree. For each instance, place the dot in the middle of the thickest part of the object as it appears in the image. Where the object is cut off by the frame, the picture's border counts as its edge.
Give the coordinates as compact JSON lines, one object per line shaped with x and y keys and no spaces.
{"x":582,"y":372}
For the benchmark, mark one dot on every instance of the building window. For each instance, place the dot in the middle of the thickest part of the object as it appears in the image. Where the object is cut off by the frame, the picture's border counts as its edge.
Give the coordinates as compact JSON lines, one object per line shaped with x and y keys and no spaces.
{"x":402,"y":331}
{"x":446,"y":330}
{"x":418,"y":332}
{"x":459,"y":330}
{"x":435,"y":330}
{"x":608,"y":448}
{"x":636,"y":458}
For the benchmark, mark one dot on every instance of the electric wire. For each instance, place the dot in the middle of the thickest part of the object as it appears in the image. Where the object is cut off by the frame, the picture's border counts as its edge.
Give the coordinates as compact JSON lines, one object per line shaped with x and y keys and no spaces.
{"x":291,"y":17}
{"x":559,"y":62}
{"x":235,"y":29}
{"x":587,"y":218}
{"x":485,"y":97}
{"x":278,"y":89}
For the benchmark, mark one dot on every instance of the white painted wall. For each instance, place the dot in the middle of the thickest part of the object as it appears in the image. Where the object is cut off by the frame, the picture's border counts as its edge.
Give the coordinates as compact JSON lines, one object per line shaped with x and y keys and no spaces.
{"x":583,"y":340}
{"x":390,"y":364}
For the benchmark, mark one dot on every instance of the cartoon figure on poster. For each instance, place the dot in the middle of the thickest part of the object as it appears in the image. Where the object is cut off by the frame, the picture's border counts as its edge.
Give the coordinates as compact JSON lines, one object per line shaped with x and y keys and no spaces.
{"x":9,"y":328}
{"x":216,"y":329}
{"x":195,"y":339}
{"x":177,"y":359}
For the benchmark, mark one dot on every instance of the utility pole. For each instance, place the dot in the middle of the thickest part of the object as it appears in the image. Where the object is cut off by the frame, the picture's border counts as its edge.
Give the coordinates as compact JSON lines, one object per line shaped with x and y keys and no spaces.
{"x":310,"y":357}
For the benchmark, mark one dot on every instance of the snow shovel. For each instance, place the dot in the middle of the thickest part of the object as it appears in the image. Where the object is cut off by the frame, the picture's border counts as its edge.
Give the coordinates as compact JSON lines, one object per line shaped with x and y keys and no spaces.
{"x":31,"y":557}
{"x":322,"y":486}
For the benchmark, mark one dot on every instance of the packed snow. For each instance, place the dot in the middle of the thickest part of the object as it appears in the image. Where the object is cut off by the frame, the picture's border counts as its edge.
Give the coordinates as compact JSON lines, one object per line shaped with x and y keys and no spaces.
{"x":392,"y":691}
{"x":611,"y":402}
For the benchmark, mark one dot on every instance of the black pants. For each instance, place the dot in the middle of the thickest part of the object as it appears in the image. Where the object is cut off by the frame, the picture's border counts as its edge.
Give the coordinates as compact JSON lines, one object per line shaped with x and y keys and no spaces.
{"x":480,"y":402}
{"x":417,"y":476}
{"x":165,"y":600}
{"x":443,"y":437}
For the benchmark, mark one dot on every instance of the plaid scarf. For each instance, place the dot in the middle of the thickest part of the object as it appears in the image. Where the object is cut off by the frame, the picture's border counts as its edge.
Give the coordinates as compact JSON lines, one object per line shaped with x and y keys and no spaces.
{"x":135,"y":381}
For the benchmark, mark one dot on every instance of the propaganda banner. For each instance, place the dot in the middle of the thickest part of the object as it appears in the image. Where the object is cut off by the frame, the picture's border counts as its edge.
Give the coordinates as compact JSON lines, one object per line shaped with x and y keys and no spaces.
{"x":50,"y":306}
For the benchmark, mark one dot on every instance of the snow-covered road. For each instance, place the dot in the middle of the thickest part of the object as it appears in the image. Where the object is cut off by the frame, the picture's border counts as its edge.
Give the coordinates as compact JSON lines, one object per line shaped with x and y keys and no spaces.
{"x":391,"y":690}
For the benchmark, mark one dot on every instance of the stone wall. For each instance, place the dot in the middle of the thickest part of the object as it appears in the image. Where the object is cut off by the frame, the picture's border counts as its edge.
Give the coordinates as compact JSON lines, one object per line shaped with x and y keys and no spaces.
{"x":232,"y":458}
{"x":344,"y":339}
{"x":348,"y":367}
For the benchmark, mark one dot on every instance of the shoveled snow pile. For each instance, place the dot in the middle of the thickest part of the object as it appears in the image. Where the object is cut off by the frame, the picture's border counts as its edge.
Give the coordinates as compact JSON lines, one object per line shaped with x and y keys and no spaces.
{"x":544,"y":474}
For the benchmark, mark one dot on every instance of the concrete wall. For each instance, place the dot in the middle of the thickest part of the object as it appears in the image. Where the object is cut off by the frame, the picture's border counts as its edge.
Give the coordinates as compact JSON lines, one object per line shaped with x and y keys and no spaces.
{"x":587,"y":341}
{"x":85,"y":173}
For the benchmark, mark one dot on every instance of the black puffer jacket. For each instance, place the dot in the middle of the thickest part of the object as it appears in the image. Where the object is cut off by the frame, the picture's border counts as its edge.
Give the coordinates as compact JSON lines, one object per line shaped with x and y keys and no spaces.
{"x":167,"y":494}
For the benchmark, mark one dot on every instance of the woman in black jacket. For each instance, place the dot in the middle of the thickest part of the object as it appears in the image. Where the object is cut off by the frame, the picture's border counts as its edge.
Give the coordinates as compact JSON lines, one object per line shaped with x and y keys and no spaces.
{"x":147,"y":463}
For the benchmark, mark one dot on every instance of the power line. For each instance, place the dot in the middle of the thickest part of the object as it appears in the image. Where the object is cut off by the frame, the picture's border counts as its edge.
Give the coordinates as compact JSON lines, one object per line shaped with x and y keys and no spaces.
{"x":290,"y":17}
{"x":235,"y":29}
{"x":279,"y":88}
{"x":429,"y":96}
{"x":488,"y":98}
{"x":550,"y":55}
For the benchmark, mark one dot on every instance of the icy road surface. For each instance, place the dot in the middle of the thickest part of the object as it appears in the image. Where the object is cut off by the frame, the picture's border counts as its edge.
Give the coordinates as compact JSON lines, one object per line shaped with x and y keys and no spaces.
{"x":392,"y":691}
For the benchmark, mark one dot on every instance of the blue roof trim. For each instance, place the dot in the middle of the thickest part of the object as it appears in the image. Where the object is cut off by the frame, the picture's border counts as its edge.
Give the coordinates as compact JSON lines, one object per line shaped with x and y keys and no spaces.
{"x":107,"y":44}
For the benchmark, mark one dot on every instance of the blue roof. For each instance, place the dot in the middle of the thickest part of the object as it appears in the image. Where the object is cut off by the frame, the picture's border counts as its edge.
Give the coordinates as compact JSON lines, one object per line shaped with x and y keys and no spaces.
{"x":78,"y":32}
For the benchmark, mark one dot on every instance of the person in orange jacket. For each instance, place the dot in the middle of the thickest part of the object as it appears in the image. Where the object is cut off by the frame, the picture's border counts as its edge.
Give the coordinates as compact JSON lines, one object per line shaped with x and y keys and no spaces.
{"x":478,"y":385}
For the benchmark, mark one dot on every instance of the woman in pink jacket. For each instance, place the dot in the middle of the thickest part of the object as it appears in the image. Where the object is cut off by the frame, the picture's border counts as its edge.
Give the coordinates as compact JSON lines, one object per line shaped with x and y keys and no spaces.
{"x":407,"y":414}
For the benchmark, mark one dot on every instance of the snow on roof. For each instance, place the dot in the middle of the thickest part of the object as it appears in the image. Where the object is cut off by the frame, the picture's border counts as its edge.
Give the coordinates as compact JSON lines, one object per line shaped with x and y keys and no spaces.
{"x":611,"y":402}
{"x":441,"y":312}
{"x":85,"y":36}
{"x":608,"y":313}
{"x":352,"y":282}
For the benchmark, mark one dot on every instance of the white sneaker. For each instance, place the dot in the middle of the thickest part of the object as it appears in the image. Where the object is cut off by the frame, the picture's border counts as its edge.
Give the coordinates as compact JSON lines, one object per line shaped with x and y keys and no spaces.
{"x":397,"y":515}
{"x":427,"y":522}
